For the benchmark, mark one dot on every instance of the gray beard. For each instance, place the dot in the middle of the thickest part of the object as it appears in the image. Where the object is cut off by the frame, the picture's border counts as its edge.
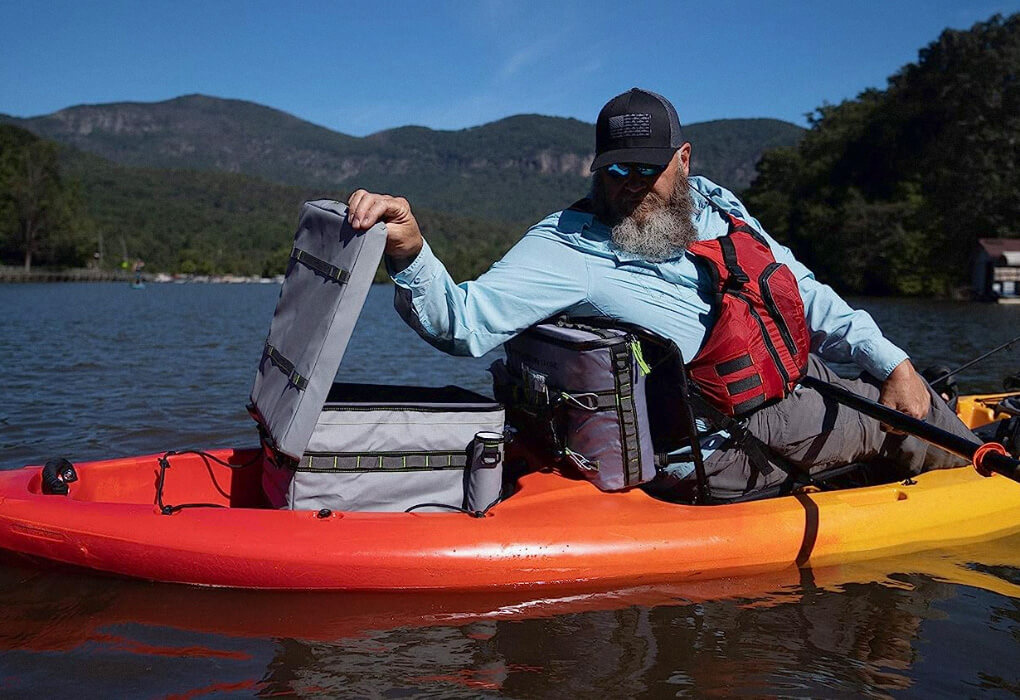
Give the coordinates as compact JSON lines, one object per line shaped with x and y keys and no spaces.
{"x":658,"y":229}
{"x":663,"y":234}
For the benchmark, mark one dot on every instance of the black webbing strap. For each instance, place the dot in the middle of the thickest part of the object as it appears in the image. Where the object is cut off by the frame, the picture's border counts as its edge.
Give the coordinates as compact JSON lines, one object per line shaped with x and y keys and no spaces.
{"x":734,"y":365}
{"x":337,"y":274}
{"x":736,"y":429}
{"x":748,"y":405}
{"x":629,"y":441}
{"x":742,"y":385}
{"x":692,"y":428}
{"x":738,"y":278}
{"x":285,"y":366}
{"x":382,"y":461}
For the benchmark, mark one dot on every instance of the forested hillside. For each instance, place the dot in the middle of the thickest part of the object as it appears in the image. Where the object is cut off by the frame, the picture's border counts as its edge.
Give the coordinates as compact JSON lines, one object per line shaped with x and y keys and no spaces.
{"x":888,"y":193}
{"x":513,"y":170}
{"x":206,"y":185}
{"x":191,"y":221}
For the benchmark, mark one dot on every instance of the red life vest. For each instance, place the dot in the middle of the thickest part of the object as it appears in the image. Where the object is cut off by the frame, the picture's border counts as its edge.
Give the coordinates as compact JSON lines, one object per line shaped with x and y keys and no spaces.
{"x":757,"y":349}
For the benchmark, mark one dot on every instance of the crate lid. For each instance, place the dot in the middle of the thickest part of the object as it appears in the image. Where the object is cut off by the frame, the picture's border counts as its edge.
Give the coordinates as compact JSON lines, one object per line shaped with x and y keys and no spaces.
{"x":330,"y":271}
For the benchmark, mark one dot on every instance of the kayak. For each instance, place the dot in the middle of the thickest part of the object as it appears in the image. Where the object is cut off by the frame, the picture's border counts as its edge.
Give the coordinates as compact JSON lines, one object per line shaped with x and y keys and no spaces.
{"x":552,"y":531}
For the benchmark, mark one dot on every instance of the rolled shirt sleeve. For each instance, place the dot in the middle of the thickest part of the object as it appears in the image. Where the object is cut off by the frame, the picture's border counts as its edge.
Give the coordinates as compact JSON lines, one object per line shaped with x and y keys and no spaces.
{"x":538,"y":278}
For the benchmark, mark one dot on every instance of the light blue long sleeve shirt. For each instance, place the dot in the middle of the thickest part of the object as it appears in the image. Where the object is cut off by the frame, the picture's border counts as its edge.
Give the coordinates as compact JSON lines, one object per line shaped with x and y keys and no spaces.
{"x":567,"y":264}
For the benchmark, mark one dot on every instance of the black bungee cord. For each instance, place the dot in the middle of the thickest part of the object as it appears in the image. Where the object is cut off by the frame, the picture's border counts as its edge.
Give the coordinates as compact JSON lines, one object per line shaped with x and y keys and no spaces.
{"x":164,"y":464}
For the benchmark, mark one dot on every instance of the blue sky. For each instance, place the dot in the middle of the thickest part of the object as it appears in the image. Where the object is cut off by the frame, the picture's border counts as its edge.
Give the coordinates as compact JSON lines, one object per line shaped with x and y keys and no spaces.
{"x":366,"y":66}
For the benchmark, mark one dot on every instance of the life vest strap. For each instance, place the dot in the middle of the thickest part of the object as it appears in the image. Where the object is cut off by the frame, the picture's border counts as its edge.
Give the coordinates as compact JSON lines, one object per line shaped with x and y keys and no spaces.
{"x":737,"y":277}
{"x":735,"y":365}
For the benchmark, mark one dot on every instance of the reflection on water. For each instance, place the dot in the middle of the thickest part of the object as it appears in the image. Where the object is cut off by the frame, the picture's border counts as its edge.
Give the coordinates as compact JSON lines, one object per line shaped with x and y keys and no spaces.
{"x":94,"y":371}
{"x":97,"y":371}
{"x":938,"y":622}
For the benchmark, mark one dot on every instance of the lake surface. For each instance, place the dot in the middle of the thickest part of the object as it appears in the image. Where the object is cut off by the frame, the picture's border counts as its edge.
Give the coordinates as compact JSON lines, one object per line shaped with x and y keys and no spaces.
{"x":101,"y":370}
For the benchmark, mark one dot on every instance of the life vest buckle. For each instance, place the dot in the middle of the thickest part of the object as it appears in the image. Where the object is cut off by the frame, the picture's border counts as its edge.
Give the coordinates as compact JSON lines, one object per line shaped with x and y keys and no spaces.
{"x":736,"y":279}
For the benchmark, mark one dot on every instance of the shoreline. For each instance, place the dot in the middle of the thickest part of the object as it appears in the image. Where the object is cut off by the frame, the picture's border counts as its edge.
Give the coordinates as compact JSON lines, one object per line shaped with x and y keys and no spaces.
{"x":20,"y":276}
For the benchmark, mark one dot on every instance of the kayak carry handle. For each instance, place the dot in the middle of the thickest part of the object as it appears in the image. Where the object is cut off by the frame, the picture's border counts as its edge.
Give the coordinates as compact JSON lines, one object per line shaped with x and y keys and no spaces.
{"x":987,"y":457}
{"x":56,"y":475}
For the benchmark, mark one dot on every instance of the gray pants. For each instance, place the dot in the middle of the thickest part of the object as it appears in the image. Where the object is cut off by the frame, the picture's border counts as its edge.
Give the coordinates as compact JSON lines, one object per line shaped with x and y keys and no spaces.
{"x":814,"y":434}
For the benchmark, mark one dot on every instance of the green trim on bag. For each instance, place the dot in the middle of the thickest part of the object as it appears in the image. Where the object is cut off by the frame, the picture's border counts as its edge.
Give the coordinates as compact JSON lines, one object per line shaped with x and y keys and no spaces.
{"x":639,"y":358}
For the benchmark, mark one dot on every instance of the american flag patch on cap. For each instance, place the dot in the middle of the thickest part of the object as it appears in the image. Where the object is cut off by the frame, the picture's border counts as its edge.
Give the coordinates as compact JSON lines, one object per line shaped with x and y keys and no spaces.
{"x":629,"y":125}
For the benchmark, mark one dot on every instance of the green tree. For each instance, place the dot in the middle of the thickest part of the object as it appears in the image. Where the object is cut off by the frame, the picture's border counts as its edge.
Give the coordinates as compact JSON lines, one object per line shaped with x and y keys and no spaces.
{"x":38,"y":212}
{"x":888,"y":193}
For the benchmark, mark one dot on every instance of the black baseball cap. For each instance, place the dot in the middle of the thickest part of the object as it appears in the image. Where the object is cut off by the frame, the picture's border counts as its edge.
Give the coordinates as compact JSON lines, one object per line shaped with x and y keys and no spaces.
{"x":636,"y":127}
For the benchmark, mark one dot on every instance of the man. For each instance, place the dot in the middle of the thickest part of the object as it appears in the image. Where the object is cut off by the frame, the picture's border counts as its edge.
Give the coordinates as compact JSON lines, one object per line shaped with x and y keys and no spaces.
{"x":626,"y":254}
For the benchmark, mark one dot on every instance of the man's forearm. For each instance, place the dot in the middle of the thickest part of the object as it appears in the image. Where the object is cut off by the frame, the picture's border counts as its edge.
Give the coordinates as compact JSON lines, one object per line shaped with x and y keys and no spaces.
{"x":536,"y":279}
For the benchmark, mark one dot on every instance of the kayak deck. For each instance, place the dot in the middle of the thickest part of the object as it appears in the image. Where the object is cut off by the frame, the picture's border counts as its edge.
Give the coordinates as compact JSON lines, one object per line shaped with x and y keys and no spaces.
{"x":551,"y":531}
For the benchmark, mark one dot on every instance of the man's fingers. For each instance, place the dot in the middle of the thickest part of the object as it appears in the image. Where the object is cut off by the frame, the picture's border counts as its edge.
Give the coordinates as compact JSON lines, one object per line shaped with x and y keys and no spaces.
{"x":379,"y":208}
{"x":916,"y":409}
{"x":365,"y":209}
{"x":353,"y":200}
{"x":358,"y":204}
{"x":905,"y":391}
{"x":360,"y":209}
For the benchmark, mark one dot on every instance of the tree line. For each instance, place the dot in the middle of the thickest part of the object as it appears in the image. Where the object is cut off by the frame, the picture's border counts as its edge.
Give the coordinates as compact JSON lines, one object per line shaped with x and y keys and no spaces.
{"x":888,"y":193}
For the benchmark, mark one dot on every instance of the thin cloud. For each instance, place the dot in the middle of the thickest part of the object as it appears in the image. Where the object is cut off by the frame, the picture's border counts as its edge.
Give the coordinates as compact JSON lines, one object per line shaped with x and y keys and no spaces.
{"x":527,"y":56}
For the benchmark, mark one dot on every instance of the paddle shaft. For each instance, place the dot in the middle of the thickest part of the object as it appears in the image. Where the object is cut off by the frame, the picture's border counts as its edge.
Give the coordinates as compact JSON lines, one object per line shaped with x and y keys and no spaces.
{"x":983,"y":458}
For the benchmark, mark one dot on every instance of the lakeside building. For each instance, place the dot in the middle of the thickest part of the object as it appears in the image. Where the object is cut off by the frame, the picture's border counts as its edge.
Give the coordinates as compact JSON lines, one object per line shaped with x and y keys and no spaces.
{"x":995,"y":274}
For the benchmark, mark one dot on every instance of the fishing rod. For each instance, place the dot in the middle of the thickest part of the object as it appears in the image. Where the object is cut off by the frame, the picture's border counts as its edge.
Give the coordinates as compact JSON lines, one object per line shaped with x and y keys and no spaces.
{"x":973,"y":362}
{"x":987,"y":457}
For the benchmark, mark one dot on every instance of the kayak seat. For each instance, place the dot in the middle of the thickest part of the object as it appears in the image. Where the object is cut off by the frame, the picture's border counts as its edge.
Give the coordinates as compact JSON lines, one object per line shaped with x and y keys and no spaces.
{"x":1009,"y":405}
{"x":1006,"y":432}
{"x":846,"y":476}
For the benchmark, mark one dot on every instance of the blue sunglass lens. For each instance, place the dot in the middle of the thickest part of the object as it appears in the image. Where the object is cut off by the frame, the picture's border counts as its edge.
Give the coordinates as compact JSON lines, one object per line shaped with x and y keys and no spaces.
{"x":620,"y":170}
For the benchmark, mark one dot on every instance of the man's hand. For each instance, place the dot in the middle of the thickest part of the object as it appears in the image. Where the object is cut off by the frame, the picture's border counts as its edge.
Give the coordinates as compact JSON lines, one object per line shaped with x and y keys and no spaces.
{"x":905,"y":391}
{"x":403,"y":237}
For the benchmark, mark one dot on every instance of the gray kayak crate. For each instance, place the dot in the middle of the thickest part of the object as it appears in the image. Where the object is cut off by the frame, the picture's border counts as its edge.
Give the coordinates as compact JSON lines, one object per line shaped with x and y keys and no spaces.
{"x":359,"y":447}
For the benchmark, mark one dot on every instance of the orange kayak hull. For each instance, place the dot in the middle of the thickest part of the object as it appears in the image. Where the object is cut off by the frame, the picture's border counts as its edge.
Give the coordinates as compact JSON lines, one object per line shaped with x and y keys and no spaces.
{"x":553,"y":531}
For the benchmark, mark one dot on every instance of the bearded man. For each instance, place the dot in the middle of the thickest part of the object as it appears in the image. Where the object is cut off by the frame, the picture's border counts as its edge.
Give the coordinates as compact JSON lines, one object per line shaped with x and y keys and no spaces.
{"x":639,"y":250}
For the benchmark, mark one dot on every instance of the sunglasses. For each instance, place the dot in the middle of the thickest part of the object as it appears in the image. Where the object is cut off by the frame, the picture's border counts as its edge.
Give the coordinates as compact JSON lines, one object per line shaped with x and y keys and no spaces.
{"x":622,"y":170}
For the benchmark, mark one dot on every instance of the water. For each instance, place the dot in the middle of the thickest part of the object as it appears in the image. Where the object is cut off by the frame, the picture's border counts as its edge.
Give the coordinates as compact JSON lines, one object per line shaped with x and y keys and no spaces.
{"x":100,"y":370}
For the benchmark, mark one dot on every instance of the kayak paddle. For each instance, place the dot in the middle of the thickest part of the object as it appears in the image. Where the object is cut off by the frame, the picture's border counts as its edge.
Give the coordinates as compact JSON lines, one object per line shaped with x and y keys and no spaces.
{"x":987,"y":458}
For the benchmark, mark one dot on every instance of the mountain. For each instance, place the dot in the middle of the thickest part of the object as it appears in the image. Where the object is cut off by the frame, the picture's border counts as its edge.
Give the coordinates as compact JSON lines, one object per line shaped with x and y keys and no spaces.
{"x":513,"y":170}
